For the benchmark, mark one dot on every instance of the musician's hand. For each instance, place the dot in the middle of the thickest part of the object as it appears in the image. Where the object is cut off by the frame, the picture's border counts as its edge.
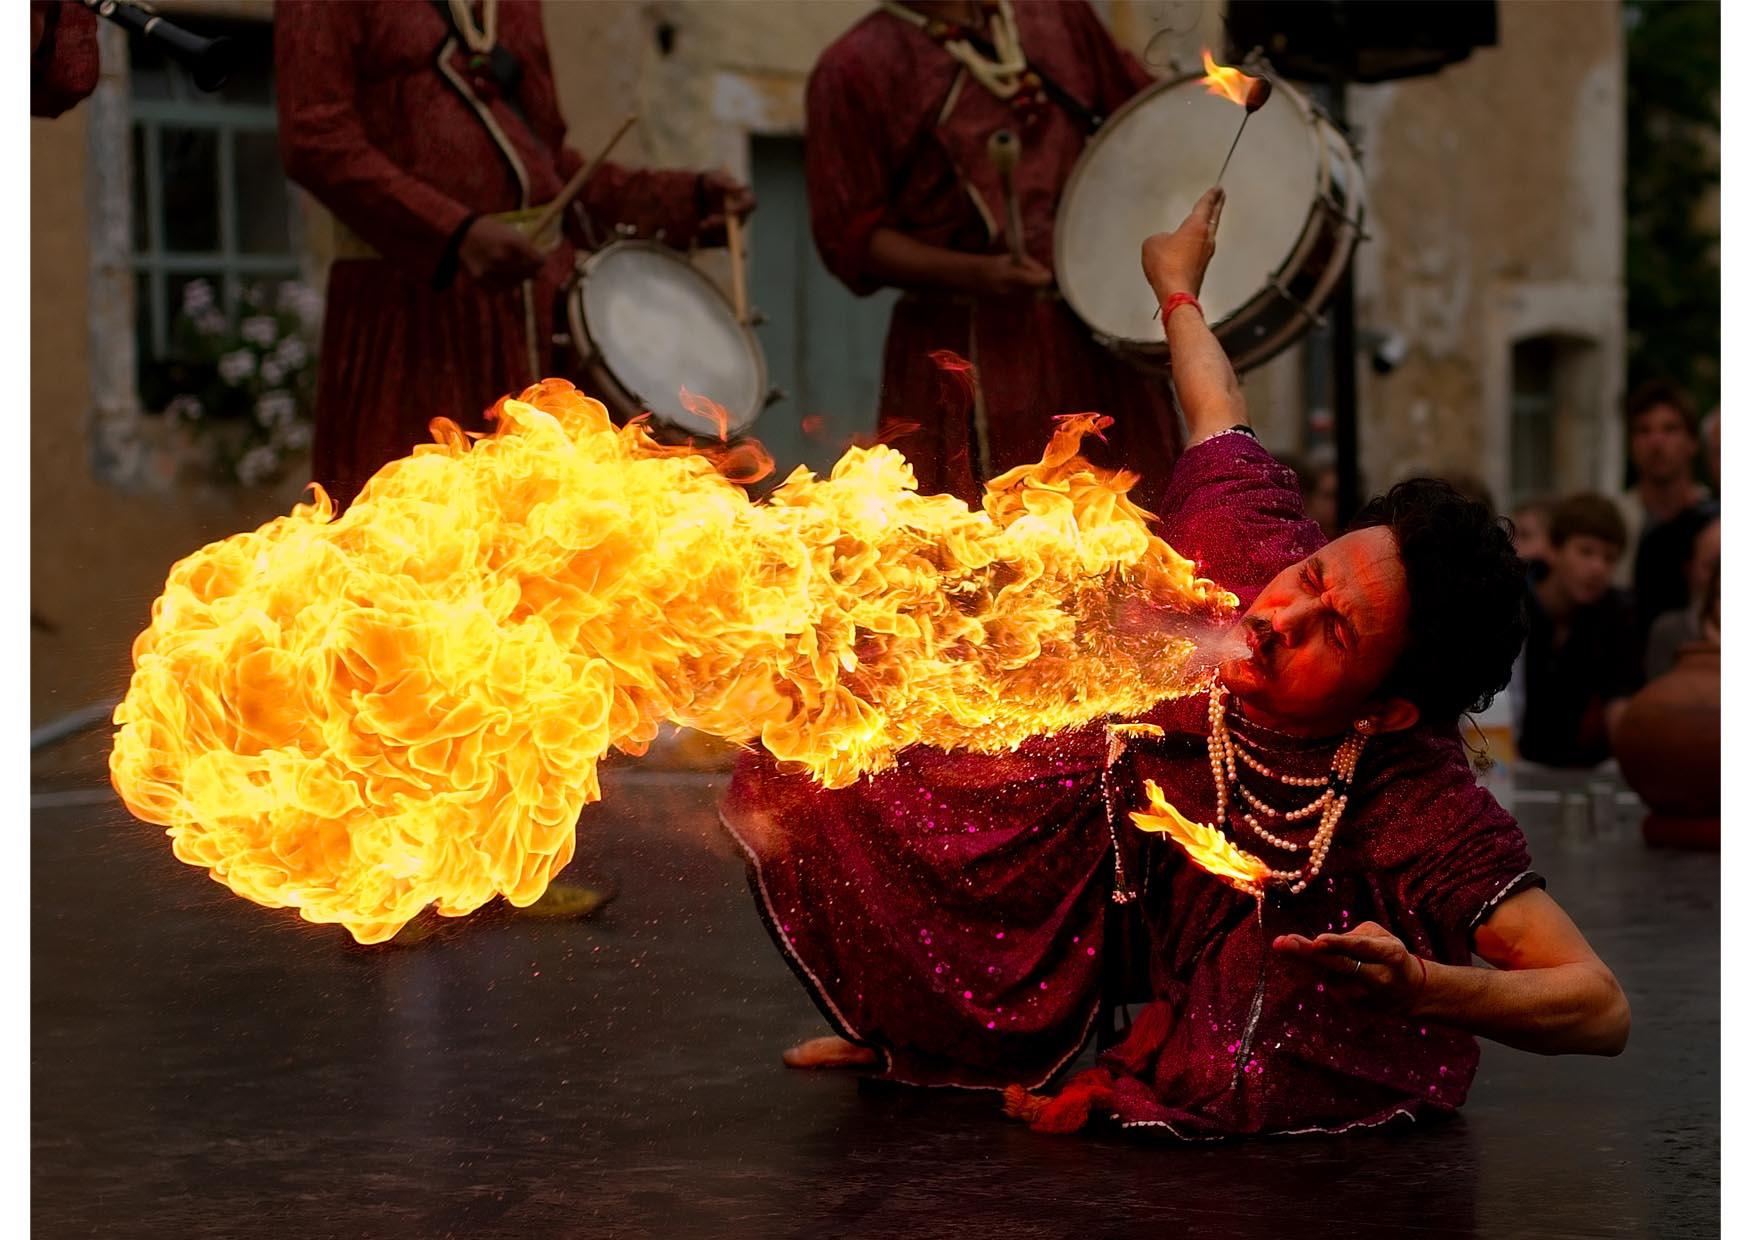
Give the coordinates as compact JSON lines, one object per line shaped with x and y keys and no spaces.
{"x":496,"y":255}
{"x":721,"y":196}
{"x":1174,"y":262}
{"x":1388,"y":976}
{"x":999,"y":275}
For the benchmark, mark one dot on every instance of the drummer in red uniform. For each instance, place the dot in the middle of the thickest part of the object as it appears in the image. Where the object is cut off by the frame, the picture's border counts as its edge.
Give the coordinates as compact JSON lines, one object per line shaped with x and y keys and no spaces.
{"x":903,"y":193}
{"x":415,"y":124}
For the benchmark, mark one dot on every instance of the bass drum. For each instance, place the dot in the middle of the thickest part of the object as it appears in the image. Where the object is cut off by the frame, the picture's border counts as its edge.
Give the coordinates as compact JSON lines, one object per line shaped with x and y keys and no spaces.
{"x":651,"y":334}
{"x":1295,"y":205}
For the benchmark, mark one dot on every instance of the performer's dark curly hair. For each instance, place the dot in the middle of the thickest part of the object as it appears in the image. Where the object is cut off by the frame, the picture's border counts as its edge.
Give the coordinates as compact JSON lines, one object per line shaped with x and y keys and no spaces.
{"x":1467,"y":597}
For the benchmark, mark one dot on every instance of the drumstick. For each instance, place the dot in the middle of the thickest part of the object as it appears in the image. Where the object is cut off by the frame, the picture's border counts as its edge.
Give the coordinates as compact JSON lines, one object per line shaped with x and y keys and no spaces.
{"x":737,"y":265}
{"x":551,"y":213}
{"x":1256,"y":97}
{"x":1004,"y":149}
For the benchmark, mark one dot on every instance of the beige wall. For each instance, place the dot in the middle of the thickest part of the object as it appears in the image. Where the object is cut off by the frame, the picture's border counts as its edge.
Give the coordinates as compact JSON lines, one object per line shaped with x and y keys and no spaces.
{"x":98,"y":555}
{"x":1496,"y":212}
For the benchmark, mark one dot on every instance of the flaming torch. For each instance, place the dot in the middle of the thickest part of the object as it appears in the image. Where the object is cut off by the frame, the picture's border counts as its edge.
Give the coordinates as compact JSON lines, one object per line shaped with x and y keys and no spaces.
{"x":1249,"y":92}
{"x":405,"y":706}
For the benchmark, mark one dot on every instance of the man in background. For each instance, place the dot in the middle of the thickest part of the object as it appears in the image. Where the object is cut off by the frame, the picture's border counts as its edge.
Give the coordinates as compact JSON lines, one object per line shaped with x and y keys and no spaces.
{"x":903,"y":193}
{"x":1582,"y":657}
{"x":1675,"y":629}
{"x":418,"y":125}
{"x":1667,"y":506}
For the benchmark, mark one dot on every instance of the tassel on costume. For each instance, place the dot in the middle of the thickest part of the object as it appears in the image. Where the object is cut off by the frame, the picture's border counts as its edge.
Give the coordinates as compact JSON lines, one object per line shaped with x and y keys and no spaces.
{"x":1067,"y":1112}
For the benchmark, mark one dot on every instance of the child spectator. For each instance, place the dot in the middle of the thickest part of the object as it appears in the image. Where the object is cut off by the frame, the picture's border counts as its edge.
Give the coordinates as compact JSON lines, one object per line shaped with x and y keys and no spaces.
{"x":1531,"y":531}
{"x":1582,"y":656}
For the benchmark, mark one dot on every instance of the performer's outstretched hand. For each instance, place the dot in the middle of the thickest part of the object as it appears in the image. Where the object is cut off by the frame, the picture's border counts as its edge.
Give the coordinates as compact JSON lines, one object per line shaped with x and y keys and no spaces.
{"x":1369,"y":964}
{"x":1174,"y":262}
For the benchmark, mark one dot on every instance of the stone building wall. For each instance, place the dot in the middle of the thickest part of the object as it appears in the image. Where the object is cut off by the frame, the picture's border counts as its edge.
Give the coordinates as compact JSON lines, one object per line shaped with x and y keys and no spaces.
{"x":1496,"y":215}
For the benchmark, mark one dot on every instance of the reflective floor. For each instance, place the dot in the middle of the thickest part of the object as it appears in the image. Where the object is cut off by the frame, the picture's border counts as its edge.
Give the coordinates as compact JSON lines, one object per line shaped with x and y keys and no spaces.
{"x":202,"y":1067}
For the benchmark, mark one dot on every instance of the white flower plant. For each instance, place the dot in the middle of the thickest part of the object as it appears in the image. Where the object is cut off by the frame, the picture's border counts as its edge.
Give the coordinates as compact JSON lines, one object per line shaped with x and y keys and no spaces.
{"x":242,"y":385}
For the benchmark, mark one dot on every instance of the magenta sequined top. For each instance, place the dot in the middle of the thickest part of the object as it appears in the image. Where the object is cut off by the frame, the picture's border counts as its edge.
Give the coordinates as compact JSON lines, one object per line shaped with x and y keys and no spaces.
{"x":952,"y":912}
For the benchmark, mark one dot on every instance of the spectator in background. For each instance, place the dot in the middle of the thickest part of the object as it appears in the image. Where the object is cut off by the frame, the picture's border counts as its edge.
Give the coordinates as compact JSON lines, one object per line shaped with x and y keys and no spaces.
{"x":1582,"y":659}
{"x":1318,"y":492}
{"x":1531,"y":531}
{"x":1667,"y":506}
{"x":1676,"y":628}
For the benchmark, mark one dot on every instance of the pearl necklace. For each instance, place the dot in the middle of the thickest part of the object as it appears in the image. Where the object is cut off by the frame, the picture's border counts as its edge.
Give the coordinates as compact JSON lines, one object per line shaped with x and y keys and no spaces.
{"x":1228,"y":756}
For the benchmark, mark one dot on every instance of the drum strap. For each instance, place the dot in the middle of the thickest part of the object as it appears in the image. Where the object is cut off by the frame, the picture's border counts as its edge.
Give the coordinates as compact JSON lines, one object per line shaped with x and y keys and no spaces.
{"x":1081,"y":113}
{"x":499,"y":62}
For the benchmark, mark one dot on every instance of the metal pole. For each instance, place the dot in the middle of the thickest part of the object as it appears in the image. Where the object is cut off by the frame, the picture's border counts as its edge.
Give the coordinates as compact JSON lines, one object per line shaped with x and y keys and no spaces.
{"x":1345,"y":410}
{"x":1345,"y":414}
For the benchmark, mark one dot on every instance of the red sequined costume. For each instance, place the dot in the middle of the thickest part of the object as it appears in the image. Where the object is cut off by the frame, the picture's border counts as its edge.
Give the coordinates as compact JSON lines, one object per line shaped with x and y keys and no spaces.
{"x":897,"y":137}
{"x":949,"y":912}
{"x":382,"y":118}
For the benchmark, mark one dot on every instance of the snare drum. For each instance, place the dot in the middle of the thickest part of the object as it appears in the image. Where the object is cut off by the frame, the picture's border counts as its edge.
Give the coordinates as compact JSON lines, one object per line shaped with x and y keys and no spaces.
{"x":644,"y":324}
{"x":1295,"y":202}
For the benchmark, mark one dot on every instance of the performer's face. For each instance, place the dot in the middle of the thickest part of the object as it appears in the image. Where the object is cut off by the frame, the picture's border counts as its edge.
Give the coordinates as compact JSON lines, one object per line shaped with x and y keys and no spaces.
{"x":1325,"y":633}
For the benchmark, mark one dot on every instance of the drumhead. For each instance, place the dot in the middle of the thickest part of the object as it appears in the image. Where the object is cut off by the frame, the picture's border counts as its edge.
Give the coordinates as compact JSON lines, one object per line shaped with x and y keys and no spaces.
{"x":660,"y":325}
{"x":1142,"y":174}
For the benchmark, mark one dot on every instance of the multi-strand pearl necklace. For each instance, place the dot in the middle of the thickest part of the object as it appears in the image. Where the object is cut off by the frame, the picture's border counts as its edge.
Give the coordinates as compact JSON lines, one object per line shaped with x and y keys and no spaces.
{"x":1228,"y":757}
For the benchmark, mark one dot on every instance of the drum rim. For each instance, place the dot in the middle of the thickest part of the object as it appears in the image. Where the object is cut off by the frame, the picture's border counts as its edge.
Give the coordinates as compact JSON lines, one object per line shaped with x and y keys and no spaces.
{"x":590,"y":353}
{"x":1314,"y":120}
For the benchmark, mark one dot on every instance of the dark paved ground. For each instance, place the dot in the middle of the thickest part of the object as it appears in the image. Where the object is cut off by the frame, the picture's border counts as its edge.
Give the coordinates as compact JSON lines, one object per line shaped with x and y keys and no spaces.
{"x":201,"y":1067}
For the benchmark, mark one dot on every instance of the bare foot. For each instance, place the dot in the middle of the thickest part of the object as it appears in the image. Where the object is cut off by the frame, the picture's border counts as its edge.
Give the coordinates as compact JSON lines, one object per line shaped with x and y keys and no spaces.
{"x":830,"y":1052}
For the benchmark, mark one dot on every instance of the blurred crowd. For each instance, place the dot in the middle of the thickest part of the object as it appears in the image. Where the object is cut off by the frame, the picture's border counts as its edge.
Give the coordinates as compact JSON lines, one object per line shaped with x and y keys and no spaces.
{"x":1616,"y":586}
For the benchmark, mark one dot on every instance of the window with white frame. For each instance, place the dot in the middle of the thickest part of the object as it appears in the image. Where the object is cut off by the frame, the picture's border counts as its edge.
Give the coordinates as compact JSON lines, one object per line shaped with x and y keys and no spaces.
{"x":210,"y":201}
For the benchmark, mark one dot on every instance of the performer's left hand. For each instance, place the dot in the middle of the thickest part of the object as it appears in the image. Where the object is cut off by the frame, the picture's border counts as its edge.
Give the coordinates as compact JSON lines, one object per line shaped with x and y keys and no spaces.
{"x":721,"y":196}
{"x":1389,"y":976}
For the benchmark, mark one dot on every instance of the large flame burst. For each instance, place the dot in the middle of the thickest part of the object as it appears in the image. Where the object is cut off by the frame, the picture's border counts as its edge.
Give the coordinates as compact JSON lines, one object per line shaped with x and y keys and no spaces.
{"x":360,"y":717}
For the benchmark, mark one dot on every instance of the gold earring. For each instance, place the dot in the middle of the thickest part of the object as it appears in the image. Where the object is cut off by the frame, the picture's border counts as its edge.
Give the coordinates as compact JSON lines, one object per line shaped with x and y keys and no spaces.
{"x":1364,"y":726}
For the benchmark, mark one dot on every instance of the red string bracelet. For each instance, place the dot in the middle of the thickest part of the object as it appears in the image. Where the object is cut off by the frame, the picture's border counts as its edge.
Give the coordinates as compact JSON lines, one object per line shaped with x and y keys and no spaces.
{"x":1175,"y":301}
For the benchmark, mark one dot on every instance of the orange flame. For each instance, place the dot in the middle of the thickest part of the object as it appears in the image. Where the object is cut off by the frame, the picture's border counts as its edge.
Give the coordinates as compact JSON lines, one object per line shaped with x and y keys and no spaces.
{"x":705,"y":407}
{"x":406,"y":706}
{"x":1230,"y":84}
{"x":1206,"y":846}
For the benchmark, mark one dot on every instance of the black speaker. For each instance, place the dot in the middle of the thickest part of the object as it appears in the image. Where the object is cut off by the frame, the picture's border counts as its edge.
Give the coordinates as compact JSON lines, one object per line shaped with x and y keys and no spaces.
{"x":1360,"y":40}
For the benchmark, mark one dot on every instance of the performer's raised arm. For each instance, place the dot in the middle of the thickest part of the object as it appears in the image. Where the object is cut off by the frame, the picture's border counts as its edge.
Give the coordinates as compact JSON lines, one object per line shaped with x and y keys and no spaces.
{"x":1174,"y":262}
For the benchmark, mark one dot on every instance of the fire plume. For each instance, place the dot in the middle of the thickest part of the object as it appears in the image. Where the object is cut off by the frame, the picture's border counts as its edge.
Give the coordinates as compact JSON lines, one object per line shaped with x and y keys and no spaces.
{"x":358,"y":717}
{"x":1230,"y":84}
{"x":1206,"y":846}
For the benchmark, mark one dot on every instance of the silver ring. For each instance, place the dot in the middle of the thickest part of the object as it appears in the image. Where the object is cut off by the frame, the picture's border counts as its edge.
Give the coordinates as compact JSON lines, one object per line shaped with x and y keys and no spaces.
{"x":1357,"y":966}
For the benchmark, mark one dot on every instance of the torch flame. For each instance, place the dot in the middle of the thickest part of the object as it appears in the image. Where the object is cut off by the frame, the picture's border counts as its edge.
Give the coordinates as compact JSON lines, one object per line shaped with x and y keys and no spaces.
{"x":1230,"y":84}
{"x":406,"y":706}
{"x":1206,"y":846}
